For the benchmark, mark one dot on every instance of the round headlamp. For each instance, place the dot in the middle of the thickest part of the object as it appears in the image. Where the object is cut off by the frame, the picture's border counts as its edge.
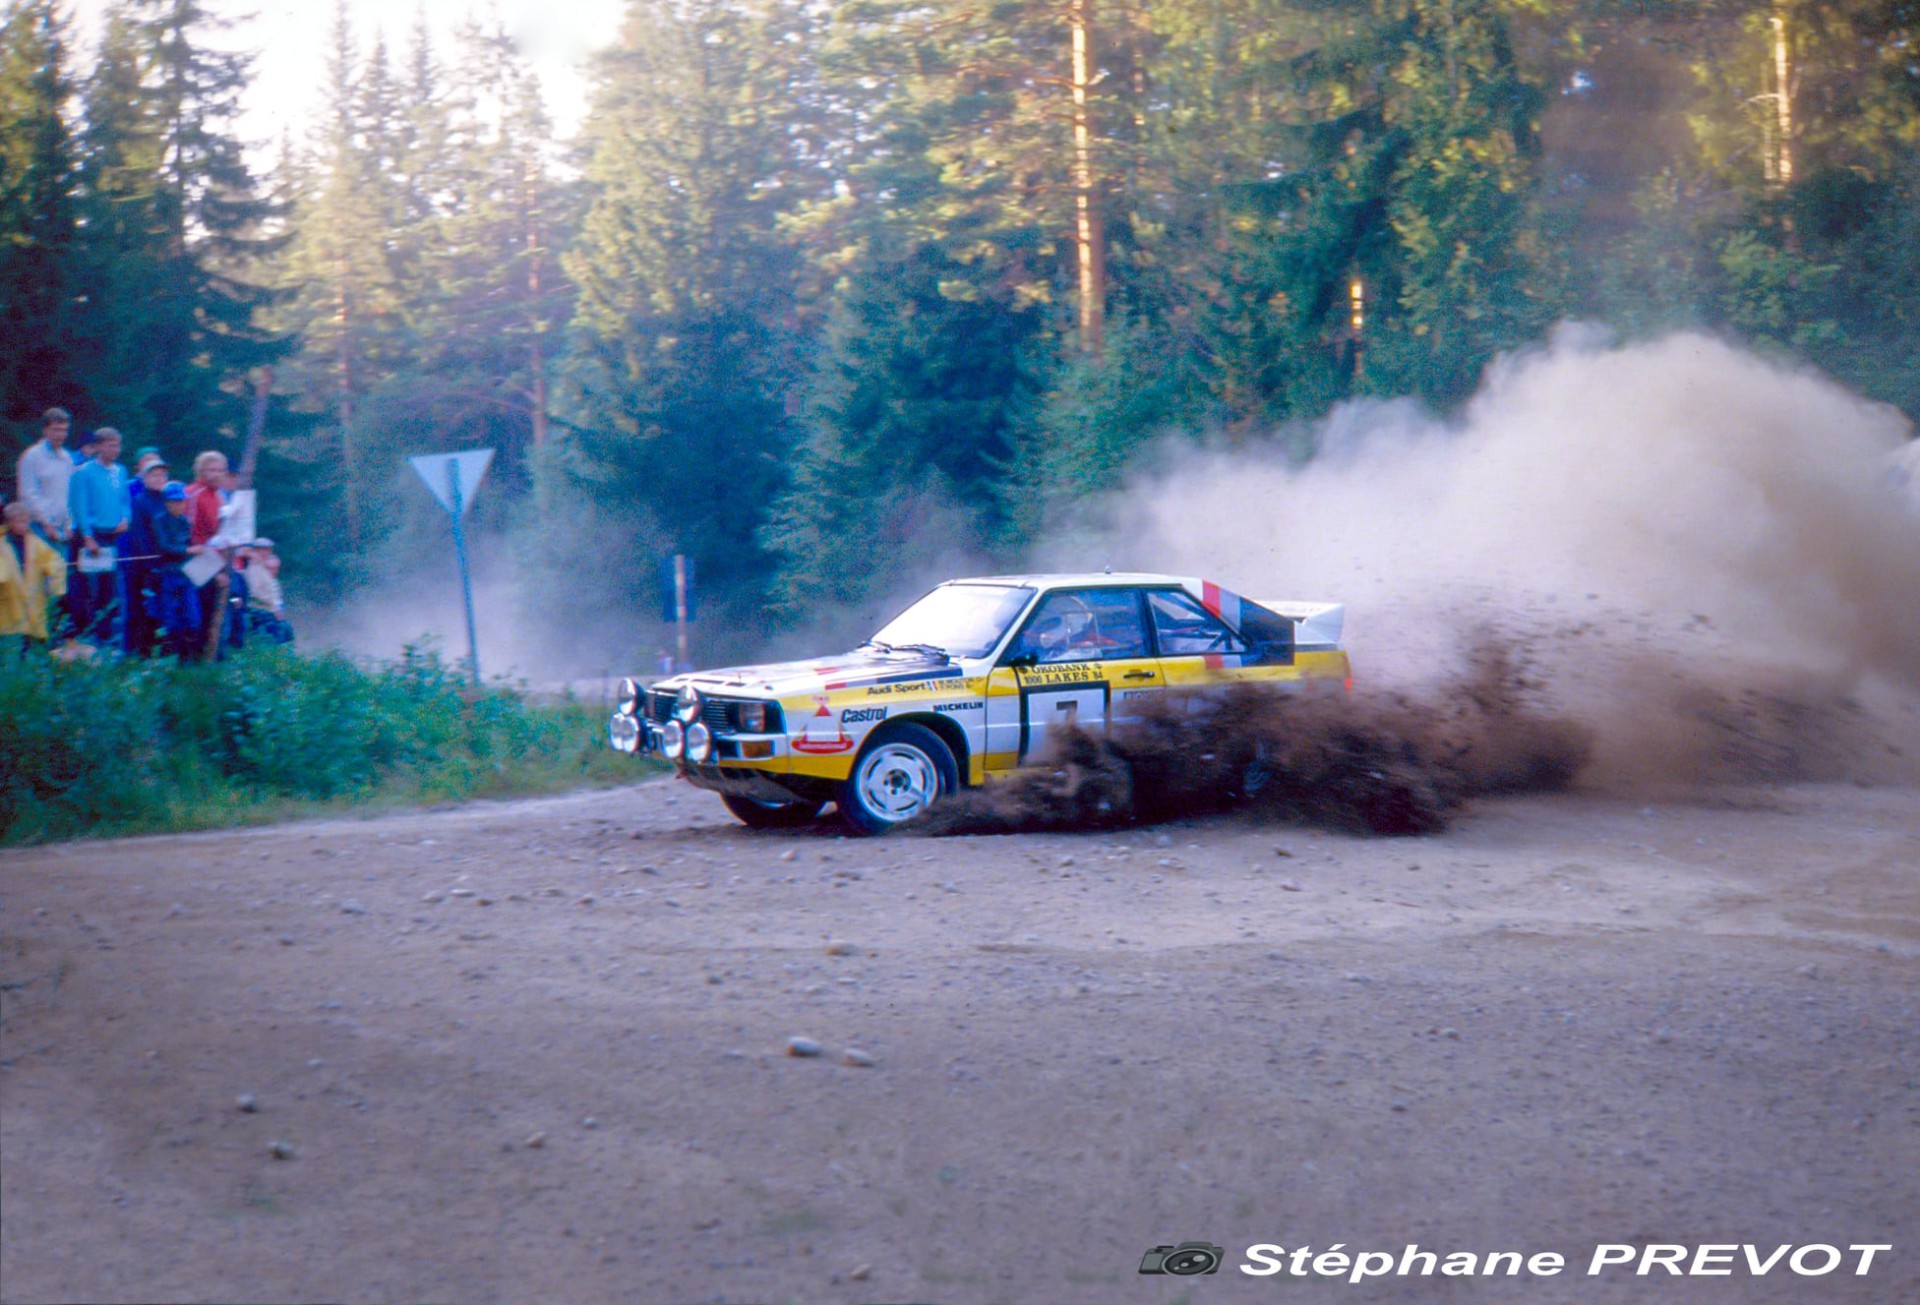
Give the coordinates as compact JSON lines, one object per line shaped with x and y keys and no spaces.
{"x":686,"y":707}
{"x":629,"y":697}
{"x":623,"y":732}
{"x":699,"y":744}
{"x":673,"y":740}
{"x":751,"y":717}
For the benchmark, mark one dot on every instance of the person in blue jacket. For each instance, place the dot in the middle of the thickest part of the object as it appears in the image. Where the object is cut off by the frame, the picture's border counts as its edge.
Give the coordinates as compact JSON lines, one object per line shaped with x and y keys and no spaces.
{"x":97,"y":501}
{"x":139,"y":553}
{"x":174,"y":604}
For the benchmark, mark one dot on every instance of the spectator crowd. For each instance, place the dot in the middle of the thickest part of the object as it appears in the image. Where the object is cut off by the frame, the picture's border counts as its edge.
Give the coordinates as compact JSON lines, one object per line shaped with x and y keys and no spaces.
{"x":97,"y":559}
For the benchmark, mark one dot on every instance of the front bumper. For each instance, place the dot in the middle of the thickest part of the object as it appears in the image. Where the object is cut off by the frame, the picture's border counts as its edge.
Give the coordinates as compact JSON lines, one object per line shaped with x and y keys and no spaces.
{"x":745,"y":765}
{"x":637,"y":736}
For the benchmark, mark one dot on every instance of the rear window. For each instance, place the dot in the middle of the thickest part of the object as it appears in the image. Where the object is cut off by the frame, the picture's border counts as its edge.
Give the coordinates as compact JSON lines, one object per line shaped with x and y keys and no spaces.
{"x":1270,"y":633}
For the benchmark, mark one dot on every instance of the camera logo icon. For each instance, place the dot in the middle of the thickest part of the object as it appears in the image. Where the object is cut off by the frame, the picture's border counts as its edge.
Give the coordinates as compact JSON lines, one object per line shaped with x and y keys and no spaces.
{"x":1187,"y":1260}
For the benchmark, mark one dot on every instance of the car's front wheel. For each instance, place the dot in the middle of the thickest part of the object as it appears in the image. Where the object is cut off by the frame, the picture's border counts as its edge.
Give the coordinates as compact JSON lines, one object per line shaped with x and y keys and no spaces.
{"x":903,"y":770}
{"x":771,"y":815}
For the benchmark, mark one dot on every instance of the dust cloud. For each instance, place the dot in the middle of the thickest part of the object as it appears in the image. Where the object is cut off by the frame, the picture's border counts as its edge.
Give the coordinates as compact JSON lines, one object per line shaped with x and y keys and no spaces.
{"x":1707,"y":560}
{"x":528,"y":633}
{"x":422,"y":608}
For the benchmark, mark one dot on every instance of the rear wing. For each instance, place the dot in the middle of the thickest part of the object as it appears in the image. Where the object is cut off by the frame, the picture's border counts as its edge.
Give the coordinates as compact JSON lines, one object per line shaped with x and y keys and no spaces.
{"x":1316,"y":626}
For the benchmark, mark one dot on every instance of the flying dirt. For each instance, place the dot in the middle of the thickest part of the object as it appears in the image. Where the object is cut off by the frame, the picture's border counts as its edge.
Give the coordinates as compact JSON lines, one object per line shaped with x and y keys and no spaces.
{"x":1377,"y":761}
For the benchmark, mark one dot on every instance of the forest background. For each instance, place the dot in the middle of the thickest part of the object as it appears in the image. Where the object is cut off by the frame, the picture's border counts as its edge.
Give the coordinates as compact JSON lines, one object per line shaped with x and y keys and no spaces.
{"x":827,"y":296}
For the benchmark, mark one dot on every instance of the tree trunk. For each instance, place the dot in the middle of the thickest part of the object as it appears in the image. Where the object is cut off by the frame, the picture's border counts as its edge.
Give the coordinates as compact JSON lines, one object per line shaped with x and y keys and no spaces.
{"x":537,"y":359}
{"x":256,"y":426}
{"x":1357,"y":322}
{"x":1089,"y":241}
{"x":345,"y":360}
{"x":1780,"y":157}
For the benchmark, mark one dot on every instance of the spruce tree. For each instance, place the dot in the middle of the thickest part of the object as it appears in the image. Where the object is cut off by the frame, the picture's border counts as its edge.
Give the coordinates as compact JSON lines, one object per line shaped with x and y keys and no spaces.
{"x":683,"y":377}
{"x":177,"y":228}
{"x":40,"y":363}
{"x":125,"y":250}
{"x":215,"y":219}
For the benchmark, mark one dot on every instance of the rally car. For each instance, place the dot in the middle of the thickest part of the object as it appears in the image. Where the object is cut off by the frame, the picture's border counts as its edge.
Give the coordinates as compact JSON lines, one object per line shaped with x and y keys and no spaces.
{"x":964,"y":685}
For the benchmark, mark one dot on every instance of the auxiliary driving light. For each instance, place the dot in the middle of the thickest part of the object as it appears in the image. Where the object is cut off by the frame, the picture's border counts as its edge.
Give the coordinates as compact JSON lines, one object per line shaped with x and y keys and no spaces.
{"x":686,"y":707}
{"x":623,"y":732}
{"x":699,"y":744}
{"x":673,"y":741}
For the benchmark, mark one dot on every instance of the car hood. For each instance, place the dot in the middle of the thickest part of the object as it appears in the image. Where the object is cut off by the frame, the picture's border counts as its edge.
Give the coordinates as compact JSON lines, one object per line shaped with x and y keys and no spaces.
{"x":862,"y":668}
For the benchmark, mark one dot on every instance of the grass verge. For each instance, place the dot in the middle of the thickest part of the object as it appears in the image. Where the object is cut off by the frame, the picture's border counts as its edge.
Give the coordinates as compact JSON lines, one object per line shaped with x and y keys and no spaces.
{"x":125,"y":747}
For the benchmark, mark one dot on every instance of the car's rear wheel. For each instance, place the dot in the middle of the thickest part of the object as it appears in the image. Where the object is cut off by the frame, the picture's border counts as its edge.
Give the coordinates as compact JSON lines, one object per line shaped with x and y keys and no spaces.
{"x":771,"y":815}
{"x":903,"y":770}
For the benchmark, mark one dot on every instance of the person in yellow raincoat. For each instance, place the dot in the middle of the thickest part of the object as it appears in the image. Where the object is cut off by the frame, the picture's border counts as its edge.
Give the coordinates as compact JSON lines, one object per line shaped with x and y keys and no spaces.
{"x":30,"y":574}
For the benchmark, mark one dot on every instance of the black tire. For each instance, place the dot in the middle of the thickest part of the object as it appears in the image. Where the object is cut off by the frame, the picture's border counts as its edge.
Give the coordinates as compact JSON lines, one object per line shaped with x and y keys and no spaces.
{"x":755,"y":814}
{"x":900,"y":773}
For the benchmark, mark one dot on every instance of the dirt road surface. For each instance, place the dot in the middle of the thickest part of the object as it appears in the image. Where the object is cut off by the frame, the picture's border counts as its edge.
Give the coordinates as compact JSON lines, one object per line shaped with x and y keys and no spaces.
{"x":536,"y":1051}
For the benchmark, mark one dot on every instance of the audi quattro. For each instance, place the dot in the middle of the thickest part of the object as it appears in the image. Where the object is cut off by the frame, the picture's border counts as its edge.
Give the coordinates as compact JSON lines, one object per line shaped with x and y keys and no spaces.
{"x":963,"y":686}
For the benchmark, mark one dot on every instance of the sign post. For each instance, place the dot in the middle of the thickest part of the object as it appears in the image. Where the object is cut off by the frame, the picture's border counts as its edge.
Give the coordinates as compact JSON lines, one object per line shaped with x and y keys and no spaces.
{"x":680,"y":608}
{"x":677,"y":603}
{"x":453,"y":477}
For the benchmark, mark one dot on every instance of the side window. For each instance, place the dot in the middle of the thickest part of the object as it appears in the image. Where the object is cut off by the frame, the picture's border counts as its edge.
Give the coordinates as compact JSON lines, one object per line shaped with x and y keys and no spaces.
{"x":1186,"y":629}
{"x":1083,"y":625}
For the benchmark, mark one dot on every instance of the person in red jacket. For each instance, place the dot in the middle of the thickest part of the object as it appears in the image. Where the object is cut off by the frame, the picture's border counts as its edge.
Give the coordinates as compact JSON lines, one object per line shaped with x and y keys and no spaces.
{"x":203,"y":522}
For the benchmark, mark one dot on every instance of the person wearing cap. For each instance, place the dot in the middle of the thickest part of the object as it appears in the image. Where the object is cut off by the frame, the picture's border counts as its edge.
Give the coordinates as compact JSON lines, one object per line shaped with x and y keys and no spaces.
{"x":145,"y":504}
{"x":97,"y":502}
{"x":44,"y":472}
{"x":263,"y":576}
{"x":146,"y":457}
{"x":139,"y":552}
{"x":174,"y":605}
{"x":266,"y":604}
{"x":31,"y":572}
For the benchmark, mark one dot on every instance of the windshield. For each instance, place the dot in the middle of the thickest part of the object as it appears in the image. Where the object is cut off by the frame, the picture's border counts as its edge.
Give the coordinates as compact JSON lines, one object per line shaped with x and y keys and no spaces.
{"x":959,"y":620}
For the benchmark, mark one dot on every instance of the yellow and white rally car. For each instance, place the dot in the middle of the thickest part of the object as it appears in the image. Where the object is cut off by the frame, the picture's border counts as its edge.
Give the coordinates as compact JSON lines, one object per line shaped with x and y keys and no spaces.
{"x":963,"y":686}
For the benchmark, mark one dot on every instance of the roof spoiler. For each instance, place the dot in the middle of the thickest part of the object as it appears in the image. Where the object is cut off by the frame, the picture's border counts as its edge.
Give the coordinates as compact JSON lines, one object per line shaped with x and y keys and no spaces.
{"x":1315,"y":625}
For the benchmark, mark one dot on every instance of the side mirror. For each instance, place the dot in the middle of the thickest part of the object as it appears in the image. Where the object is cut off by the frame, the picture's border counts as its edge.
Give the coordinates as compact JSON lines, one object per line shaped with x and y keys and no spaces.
{"x":1024,"y":661}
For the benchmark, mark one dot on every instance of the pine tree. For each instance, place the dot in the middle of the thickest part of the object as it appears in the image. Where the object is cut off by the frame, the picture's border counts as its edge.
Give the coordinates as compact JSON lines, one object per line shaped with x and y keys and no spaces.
{"x":494,"y":294}
{"x":39,"y":278}
{"x":345,"y":295}
{"x":1805,"y":130}
{"x":968,"y":242}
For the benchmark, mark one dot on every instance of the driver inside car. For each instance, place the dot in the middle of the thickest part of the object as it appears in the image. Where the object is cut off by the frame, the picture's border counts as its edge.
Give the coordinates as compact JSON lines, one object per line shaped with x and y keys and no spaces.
{"x":1070,"y":635}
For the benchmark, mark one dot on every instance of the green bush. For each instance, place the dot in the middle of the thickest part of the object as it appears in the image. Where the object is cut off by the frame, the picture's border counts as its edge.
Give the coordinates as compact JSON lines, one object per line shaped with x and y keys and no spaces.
{"x":115,"y":747}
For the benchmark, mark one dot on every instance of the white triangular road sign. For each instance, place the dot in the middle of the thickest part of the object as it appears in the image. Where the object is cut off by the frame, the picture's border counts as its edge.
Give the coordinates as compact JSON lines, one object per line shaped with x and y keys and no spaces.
{"x":436,"y":470}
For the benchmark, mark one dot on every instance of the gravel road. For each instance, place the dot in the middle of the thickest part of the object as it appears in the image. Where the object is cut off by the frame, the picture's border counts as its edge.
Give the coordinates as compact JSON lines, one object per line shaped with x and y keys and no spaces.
{"x":539,"y":1051}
